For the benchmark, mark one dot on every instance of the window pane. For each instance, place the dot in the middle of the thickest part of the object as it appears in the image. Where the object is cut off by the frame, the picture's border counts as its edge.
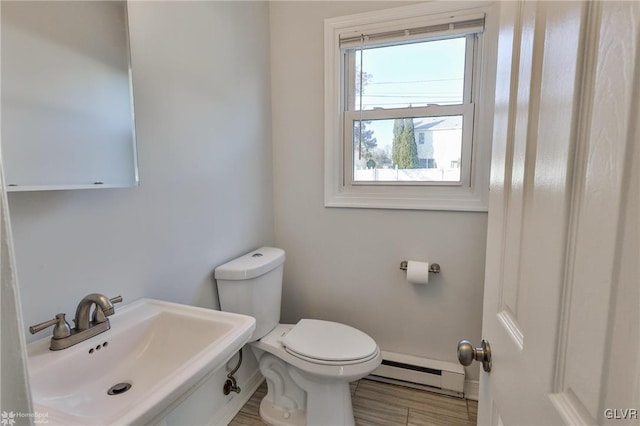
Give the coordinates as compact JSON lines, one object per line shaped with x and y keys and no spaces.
{"x":416,"y":74}
{"x":422,"y":149}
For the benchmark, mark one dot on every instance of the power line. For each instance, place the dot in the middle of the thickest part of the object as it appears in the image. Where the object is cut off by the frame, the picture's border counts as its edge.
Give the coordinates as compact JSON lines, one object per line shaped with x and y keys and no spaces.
{"x":413,"y":95}
{"x":414,"y":81}
{"x":405,"y":103}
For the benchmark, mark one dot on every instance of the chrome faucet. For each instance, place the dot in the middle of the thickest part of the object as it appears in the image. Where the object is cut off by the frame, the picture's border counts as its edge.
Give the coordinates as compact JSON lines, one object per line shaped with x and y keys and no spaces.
{"x":64,"y":336}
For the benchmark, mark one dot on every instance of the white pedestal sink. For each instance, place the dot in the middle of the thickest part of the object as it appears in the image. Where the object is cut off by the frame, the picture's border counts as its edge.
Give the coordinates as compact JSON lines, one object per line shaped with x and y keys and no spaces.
{"x":163,"y":350}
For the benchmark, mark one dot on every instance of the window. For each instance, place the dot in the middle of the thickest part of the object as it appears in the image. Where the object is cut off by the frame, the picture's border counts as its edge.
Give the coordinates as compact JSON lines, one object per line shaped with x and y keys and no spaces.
{"x":402,"y":127}
{"x":393,"y":92}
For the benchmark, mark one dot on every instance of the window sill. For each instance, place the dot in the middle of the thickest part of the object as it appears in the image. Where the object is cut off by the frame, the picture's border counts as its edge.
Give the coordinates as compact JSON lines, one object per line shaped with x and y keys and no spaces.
{"x":445,"y":199}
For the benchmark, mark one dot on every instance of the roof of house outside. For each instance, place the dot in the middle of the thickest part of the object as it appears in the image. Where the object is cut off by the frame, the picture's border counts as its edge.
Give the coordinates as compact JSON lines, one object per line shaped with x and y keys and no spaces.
{"x":437,"y":123}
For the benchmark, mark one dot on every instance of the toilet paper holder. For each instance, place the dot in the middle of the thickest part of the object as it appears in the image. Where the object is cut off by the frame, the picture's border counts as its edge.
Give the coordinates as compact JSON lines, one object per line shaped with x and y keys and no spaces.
{"x":434,"y":267}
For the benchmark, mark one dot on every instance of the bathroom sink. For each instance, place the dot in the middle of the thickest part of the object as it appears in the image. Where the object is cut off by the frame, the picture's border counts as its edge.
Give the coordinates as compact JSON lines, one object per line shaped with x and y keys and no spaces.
{"x":162,"y":350}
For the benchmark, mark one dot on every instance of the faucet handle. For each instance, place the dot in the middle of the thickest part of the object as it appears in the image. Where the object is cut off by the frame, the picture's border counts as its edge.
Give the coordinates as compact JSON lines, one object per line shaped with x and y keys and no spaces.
{"x":60,"y":331}
{"x":117,"y":299}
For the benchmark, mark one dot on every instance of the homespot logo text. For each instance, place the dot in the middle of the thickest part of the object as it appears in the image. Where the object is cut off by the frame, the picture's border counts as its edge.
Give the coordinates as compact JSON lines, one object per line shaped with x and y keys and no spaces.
{"x":11,"y":417}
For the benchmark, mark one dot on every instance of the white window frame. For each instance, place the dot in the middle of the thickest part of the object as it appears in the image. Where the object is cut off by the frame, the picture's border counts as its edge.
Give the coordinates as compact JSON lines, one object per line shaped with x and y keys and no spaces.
{"x":472,"y":193}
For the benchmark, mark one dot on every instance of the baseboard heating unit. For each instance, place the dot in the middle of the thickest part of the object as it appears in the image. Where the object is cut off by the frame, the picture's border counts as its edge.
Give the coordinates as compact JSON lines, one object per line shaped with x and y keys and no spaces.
{"x":422,"y":373}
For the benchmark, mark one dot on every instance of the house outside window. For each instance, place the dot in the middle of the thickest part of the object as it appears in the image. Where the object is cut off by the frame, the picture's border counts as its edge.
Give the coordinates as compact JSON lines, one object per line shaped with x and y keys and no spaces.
{"x":401,"y":108}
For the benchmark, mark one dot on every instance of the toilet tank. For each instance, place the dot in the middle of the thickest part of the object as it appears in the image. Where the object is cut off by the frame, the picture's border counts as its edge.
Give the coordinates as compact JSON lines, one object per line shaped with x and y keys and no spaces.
{"x":252,"y":285}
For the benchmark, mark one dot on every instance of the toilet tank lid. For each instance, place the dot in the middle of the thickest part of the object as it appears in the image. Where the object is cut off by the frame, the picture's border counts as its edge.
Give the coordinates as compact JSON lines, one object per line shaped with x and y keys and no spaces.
{"x":251,"y":265}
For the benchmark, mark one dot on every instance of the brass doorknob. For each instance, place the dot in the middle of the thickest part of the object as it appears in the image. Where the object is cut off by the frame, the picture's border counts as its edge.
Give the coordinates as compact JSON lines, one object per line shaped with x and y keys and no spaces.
{"x":467,"y":354}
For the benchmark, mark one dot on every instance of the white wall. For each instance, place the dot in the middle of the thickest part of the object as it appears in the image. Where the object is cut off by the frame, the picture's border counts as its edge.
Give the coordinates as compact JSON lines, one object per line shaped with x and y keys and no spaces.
{"x":343,"y":264}
{"x":14,"y":388}
{"x":202,"y":99}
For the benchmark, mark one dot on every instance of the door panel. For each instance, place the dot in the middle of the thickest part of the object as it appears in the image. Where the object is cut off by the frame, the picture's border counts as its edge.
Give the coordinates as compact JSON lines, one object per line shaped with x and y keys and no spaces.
{"x":601,"y":203}
{"x":559,"y":311}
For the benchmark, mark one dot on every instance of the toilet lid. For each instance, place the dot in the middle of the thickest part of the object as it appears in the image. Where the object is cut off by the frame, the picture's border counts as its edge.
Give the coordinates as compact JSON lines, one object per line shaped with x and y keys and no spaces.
{"x":328,"y":341}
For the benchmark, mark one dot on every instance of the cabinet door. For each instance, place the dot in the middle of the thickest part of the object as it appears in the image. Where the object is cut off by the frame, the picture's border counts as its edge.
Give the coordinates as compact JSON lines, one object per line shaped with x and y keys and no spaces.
{"x":67,"y":110}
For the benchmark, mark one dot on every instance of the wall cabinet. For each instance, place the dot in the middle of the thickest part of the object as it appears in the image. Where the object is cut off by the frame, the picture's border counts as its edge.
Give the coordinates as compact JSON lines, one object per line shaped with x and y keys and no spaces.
{"x":67,"y":106}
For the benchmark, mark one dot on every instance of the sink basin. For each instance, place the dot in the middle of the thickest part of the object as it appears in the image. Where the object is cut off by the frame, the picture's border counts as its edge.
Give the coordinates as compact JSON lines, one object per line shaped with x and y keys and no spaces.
{"x":163,"y":350}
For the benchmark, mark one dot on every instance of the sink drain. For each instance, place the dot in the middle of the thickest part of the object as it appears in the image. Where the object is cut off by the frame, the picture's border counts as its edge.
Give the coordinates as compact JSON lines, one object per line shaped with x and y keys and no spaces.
{"x":119,"y":388}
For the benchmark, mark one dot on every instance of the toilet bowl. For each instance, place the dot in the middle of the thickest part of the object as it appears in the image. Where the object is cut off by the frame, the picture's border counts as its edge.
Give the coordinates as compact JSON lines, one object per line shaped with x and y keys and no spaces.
{"x":309,"y":365}
{"x":303,"y":388}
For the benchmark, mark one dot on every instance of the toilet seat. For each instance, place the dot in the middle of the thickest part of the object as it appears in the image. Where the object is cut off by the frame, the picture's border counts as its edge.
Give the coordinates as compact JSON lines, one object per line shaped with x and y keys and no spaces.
{"x":329,"y":343}
{"x":337,"y":363}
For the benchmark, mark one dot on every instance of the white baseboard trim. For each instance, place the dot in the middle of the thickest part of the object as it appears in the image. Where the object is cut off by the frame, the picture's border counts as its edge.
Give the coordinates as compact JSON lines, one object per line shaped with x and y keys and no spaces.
{"x":231,"y":408}
{"x":471,"y":389}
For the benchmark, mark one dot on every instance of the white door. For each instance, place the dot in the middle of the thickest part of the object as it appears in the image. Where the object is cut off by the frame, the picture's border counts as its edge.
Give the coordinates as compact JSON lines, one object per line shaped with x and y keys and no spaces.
{"x":562,"y":286}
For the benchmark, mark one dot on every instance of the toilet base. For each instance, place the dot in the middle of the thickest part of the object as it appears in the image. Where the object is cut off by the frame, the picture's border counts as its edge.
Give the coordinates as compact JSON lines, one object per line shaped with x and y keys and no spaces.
{"x":278,"y":416}
{"x":295,"y":397}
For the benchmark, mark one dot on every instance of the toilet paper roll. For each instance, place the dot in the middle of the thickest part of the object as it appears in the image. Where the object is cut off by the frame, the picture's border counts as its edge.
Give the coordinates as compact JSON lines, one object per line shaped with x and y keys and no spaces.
{"x":417,"y":272}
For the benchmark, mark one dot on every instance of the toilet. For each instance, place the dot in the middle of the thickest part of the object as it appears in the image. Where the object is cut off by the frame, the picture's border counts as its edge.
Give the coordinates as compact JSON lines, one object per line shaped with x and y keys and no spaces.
{"x":308,"y":365}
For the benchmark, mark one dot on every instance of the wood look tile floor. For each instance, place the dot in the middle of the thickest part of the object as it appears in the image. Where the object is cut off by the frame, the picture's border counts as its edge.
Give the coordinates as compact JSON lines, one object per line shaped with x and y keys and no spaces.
{"x":382,"y":404}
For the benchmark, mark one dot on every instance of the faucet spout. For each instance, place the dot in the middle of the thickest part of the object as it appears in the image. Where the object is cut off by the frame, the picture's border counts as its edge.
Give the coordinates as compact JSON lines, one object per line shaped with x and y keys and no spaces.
{"x":101,"y":301}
